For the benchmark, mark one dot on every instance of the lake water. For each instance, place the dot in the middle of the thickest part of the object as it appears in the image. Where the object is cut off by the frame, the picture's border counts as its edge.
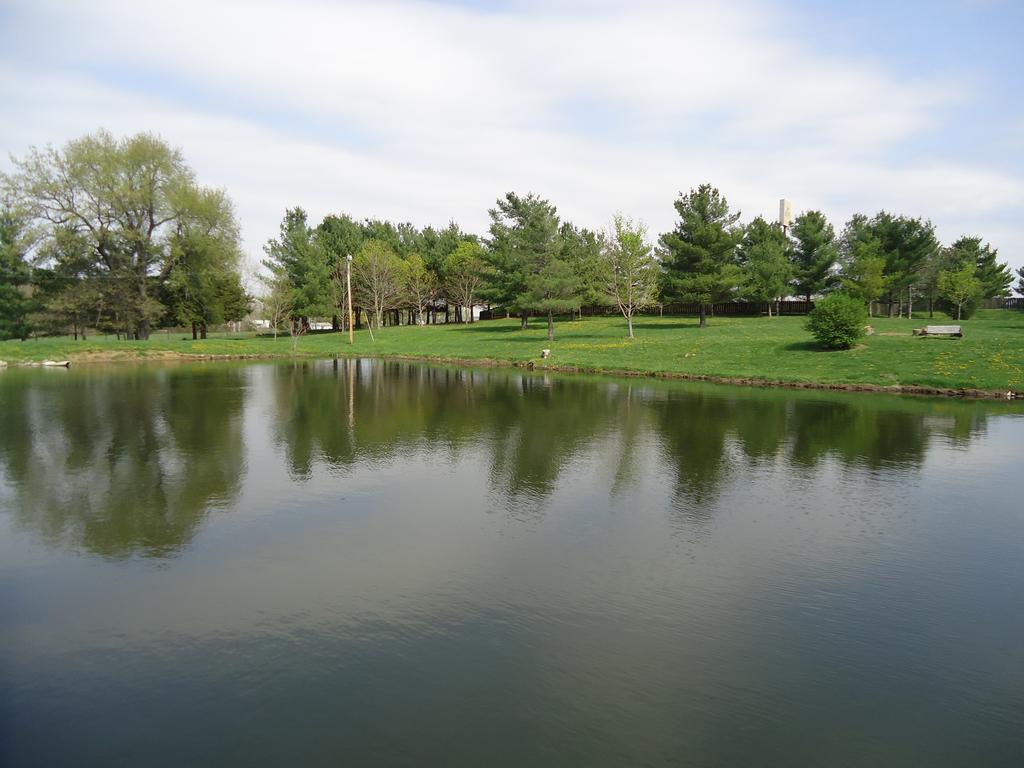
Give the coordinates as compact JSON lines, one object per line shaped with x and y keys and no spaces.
{"x":367,"y":563}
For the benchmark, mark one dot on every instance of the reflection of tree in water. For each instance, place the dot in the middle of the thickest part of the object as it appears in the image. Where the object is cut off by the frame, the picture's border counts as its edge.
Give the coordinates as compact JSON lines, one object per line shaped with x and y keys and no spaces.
{"x":344,"y":411}
{"x":693,"y":427}
{"x":351,"y":411}
{"x":761,"y":424}
{"x":533,"y":426}
{"x":537,"y":425}
{"x":122,"y":463}
{"x":863,"y":433}
{"x":129,"y":461}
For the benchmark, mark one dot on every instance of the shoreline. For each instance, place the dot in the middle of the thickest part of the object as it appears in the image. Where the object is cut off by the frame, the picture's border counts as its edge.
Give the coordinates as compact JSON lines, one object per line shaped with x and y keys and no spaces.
{"x":963,"y":393}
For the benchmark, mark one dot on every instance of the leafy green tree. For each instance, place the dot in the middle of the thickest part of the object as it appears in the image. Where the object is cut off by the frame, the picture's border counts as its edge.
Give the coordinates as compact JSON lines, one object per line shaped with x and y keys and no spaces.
{"x":861,"y":264}
{"x":298,"y":256}
{"x":813,"y":252}
{"x":629,"y":268}
{"x":1020,"y":282}
{"x":837,"y":321}
{"x":124,"y":198}
{"x":582,"y":248}
{"x":275,"y":304}
{"x":463,"y":271}
{"x":15,"y":277}
{"x":767,"y":270}
{"x":71,"y":293}
{"x":908,"y":246}
{"x":864,"y":276}
{"x":995,"y":278}
{"x":939,"y":261}
{"x":204,"y":286}
{"x":378,"y":279}
{"x":340,"y":236}
{"x":420,"y":286}
{"x":959,"y":287}
{"x":553,"y":285}
{"x":700,"y":253}
{"x":524,"y":237}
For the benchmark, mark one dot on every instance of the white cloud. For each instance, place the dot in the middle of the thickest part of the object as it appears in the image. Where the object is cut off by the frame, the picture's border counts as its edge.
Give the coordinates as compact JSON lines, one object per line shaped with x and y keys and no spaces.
{"x":427,"y":112}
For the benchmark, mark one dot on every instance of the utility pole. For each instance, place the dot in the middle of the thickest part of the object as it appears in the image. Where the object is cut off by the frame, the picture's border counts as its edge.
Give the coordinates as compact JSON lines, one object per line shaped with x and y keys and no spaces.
{"x":348,"y":287}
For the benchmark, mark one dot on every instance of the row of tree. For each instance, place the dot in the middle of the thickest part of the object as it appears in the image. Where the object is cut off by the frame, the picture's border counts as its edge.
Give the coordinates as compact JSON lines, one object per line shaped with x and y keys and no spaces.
{"x":533,"y":263}
{"x":115,"y":234}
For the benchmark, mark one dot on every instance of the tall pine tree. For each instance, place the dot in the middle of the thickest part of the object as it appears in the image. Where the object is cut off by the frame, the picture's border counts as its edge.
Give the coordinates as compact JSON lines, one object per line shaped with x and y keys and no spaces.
{"x":700,"y":253}
{"x":766,"y":269}
{"x":15,"y":276}
{"x":813,"y":252}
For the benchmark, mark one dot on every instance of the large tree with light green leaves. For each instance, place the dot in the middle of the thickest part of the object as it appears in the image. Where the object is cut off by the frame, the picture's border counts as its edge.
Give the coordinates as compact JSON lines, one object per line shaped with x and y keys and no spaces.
{"x":124,"y":200}
{"x":699,"y":255}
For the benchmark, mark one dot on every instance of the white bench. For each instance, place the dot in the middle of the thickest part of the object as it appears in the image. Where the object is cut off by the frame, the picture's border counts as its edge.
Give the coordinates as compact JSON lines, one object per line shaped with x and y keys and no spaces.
{"x":940,"y":330}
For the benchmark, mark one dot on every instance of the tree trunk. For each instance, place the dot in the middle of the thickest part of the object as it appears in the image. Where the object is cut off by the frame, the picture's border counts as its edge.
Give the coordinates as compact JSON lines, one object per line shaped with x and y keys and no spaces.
{"x":769,"y":309}
{"x":931,"y":314}
{"x":703,"y":315}
{"x":335,"y":325}
{"x":526,"y":319}
{"x":629,"y":323}
{"x":551,"y":326}
{"x":202,"y":330}
{"x":194,"y":331}
{"x":959,"y":310}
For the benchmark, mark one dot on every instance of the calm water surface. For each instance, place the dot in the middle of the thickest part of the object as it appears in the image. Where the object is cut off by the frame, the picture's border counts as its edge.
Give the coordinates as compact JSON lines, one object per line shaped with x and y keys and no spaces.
{"x":364,"y":563}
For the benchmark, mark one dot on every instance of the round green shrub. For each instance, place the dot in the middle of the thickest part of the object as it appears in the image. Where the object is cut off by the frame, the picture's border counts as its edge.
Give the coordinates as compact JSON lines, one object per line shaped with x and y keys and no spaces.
{"x":837,"y":321}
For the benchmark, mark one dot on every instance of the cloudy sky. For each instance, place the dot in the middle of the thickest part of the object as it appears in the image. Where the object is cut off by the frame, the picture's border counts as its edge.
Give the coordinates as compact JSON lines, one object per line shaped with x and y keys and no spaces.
{"x":428,"y":111}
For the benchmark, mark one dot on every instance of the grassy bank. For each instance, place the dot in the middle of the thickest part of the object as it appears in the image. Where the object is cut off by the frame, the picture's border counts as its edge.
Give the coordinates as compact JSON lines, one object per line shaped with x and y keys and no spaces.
{"x":989,"y":357}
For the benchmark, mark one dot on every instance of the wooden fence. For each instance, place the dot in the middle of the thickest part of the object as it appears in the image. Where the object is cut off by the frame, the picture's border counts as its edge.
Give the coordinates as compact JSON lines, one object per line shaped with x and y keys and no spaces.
{"x":1014,"y":303}
{"x":721,"y":309}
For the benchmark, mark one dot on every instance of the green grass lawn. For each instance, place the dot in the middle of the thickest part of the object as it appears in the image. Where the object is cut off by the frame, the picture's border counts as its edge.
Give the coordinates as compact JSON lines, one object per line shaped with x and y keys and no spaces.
{"x":990,"y":356}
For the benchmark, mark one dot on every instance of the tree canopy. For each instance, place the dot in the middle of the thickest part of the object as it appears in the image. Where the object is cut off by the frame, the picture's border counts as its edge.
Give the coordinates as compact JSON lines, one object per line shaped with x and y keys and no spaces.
{"x":699,"y":255}
{"x":813,"y":252}
{"x":767,"y":270}
{"x":120,"y":207}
